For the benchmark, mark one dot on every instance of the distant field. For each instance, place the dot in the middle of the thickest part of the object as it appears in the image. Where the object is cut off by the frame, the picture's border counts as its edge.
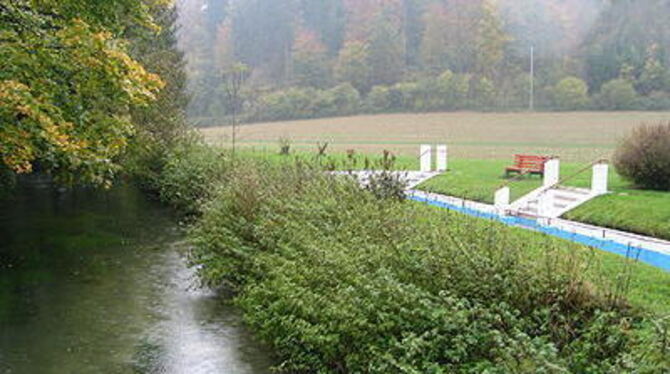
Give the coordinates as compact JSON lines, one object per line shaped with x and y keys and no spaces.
{"x":574,"y":136}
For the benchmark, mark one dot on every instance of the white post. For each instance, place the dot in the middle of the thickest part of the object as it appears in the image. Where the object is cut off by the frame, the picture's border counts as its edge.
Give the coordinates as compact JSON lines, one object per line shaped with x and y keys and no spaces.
{"x":502,"y":197}
{"x":426,"y":158}
{"x":545,"y":206}
{"x":441,"y":158}
{"x":552,"y":172}
{"x":599,"y":178}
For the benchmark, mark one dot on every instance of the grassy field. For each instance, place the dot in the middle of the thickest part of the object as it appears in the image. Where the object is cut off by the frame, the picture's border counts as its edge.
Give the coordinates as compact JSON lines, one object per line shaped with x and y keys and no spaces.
{"x":481,"y":145}
{"x":574,"y":136}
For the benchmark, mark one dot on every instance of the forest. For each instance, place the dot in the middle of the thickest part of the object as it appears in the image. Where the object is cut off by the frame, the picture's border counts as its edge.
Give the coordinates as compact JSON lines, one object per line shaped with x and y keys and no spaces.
{"x":319,"y":58}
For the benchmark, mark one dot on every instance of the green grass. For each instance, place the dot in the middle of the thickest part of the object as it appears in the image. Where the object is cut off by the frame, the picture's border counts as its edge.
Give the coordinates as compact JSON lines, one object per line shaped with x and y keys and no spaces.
{"x":648,"y":287}
{"x":478,"y":180}
{"x":638,"y":211}
{"x":626,"y":208}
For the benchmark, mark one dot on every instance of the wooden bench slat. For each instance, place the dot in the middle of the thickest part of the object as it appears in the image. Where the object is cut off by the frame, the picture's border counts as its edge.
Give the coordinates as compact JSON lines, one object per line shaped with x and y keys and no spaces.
{"x":532,"y":164}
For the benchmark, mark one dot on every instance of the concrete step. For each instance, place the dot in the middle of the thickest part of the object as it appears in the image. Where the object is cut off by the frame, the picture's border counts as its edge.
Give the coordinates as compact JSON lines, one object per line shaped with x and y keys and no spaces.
{"x":576,"y":190}
{"x":564,"y":200}
{"x":529,"y":210}
{"x":565,"y":197}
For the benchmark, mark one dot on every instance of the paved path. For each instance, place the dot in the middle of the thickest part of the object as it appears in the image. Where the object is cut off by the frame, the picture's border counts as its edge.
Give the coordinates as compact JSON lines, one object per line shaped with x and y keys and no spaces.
{"x":650,"y":250}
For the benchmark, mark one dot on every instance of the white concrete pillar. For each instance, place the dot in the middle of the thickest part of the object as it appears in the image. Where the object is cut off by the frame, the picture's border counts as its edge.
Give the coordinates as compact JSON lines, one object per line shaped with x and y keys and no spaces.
{"x":426,"y":158}
{"x":552,"y":172}
{"x":599,"y":178}
{"x":545,"y":204}
{"x":442,"y":158}
{"x":501,"y":199}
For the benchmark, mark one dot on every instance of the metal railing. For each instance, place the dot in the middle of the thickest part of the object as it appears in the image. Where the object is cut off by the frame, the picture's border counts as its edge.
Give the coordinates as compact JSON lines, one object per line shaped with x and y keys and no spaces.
{"x":542,"y":191}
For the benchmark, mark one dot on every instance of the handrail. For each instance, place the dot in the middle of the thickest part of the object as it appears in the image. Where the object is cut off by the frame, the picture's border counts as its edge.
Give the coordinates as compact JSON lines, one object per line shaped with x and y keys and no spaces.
{"x":541,"y":191}
{"x":585,"y":168}
{"x":569,"y":177}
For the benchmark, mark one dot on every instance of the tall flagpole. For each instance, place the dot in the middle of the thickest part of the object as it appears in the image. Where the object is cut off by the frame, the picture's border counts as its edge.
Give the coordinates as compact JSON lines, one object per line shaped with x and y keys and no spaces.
{"x":532,"y":79}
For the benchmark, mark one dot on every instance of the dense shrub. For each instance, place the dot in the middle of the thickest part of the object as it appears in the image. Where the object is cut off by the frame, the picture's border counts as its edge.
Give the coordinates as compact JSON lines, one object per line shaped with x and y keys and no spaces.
{"x":294,"y":103}
{"x":571,"y":94}
{"x":301,"y":103}
{"x":656,"y":100}
{"x":643,"y":157}
{"x":191,"y":176}
{"x":346,"y":99}
{"x":617,"y":94}
{"x":444,"y":92}
{"x":339,"y":280}
{"x":379,"y":99}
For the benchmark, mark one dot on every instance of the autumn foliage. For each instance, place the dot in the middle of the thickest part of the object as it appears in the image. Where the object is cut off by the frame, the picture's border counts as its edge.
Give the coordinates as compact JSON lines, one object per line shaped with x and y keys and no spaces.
{"x":66,"y":90}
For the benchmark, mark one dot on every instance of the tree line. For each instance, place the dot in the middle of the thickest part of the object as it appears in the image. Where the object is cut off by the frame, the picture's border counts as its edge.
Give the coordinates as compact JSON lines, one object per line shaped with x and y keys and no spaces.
{"x":311,"y":58}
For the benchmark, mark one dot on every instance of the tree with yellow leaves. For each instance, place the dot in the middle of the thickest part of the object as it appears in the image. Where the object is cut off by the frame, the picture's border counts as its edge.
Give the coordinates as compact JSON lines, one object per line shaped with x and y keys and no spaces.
{"x":67,"y":86}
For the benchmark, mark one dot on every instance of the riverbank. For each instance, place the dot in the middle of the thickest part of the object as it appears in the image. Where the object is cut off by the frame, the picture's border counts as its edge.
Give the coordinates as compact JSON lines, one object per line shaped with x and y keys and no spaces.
{"x":338,"y":279}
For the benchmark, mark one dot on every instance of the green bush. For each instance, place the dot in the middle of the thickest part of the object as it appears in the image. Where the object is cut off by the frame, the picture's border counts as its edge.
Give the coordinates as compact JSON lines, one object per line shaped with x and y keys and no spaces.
{"x":571,"y":93}
{"x":656,"y":100}
{"x":379,"y":99}
{"x":618,"y":94}
{"x":301,"y":103}
{"x":191,"y":175}
{"x":347,"y":100}
{"x":294,"y":103}
{"x":643,"y":157}
{"x":337,"y":280}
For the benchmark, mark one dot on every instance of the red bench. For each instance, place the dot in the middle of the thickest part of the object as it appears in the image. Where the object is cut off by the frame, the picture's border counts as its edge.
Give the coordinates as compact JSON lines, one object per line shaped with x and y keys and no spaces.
{"x":527,"y":164}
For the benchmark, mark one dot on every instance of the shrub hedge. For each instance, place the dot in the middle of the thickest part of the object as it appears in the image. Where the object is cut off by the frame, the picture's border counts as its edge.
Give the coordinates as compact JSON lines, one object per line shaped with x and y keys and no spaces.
{"x":643,"y":157}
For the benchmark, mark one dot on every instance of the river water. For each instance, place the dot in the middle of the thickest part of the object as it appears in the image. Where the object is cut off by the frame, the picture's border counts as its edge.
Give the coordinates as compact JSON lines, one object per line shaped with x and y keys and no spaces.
{"x":96,"y":282}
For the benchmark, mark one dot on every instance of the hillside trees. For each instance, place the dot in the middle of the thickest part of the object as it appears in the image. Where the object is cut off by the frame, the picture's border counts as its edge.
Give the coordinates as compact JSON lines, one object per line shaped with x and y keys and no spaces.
{"x":386,"y":47}
{"x":366,"y":43}
{"x":435,"y":39}
{"x":624,"y":35}
{"x":327,"y":18}
{"x":67,"y":86}
{"x":310,"y":63}
{"x":263,"y":32}
{"x":352,"y":65}
{"x":491,"y":40}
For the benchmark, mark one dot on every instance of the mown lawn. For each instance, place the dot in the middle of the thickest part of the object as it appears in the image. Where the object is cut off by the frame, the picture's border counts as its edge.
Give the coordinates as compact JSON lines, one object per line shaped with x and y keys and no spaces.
{"x":626,"y":208}
{"x":479,"y":179}
{"x":642,"y":212}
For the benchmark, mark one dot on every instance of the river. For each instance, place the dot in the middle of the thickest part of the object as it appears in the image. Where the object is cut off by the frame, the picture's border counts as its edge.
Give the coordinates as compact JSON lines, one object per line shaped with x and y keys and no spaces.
{"x":96,"y":282}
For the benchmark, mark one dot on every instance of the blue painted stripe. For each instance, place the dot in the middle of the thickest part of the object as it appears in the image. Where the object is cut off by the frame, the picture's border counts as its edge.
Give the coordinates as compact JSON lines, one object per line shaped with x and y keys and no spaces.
{"x":652,"y":258}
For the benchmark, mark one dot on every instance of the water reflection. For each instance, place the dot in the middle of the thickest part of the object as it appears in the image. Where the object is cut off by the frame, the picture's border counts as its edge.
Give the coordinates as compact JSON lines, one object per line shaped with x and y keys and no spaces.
{"x":95,"y":283}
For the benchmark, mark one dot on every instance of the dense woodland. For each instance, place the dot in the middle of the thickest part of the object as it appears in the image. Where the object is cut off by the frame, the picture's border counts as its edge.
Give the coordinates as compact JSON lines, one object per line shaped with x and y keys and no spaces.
{"x":312,"y":58}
